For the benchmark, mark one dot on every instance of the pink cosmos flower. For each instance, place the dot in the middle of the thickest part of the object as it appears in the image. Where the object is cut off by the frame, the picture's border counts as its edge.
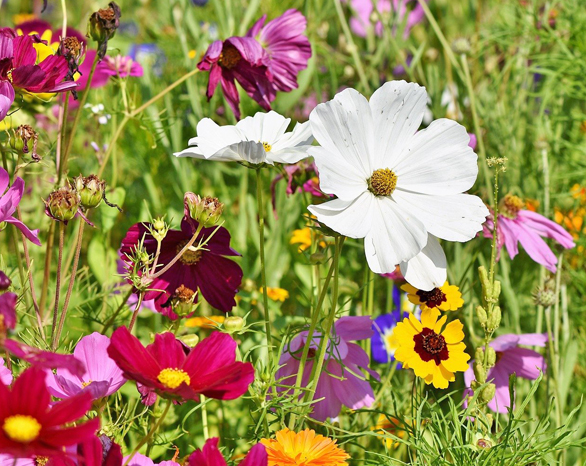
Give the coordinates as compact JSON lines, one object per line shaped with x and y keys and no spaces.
{"x":101,"y":75}
{"x":8,"y":311}
{"x":517,"y":225}
{"x":10,"y":199}
{"x":288,"y":49}
{"x":19,"y":70}
{"x":364,"y":9}
{"x":9,"y":460}
{"x":510,"y":359}
{"x":209,"y":369}
{"x":121,"y":66}
{"x":101,"y":378}
{"x":239,"y":59}
{"x":340,"y":382}
{"x":216,"y":276}
{"x":5,"y":374}
{"x":210,"y":456}
{"x":141,"y":460}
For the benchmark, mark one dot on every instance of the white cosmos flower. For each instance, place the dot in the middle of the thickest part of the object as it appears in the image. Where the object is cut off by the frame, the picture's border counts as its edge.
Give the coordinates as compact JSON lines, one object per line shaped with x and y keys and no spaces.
{"x":258,"y":139}
{"x":398,"y":188}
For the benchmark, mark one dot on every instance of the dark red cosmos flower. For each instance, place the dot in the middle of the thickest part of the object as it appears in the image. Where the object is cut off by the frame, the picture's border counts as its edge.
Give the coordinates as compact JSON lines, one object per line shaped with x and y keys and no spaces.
{"x":216,"y":277}
{"x":210,"y":455}
{"x":32,"y":425}
{"x":209,"y":369}
{"x":239,"y":59}
{"x":95,"y":451}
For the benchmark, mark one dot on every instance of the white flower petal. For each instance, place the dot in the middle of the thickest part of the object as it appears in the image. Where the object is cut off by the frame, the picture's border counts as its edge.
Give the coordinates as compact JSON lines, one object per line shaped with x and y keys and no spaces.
{"x":213,"y":141}
{"x":349,"y":218}
{"x":397,"y":110}
{"x":263,"y":127}
{"x":292,"y":147}
{"x":457,"y":217}
{"x":396,"y":236}
{"x":427,"y":270}
{"x":250,"y":151}
{"x":336,"y":176}
{"x":438,"y":160}
{"x":344,"y":126}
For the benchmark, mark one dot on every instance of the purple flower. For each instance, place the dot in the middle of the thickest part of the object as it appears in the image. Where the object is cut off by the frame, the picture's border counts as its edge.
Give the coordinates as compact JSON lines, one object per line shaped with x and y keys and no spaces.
{"x":517,"y":225}
{"x":364,"y":9}
{"x":141,"y":460}
{"x":340,"y":382}
{"x":9,"y":200}
{"x":510,"y":359}
{"x":383,"y":327}
{"x":288,"y":49}
{"x":8,"y":311}
{"x":239,"y":59}
{"x":5,"y":374}
{"x":101,"y":378}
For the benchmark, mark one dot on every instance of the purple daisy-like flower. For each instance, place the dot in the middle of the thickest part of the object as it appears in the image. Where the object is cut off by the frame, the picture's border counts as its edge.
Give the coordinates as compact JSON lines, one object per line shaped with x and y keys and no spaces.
{"x":517,"y":225}
{"x":287,"y":47}
{"x":340,"y":383}
{"x":510,"y":359}
{"x":207,"y":270}
{"x":9,"y":200}
{"x":101,"y":378}
{"x":240,"y":59}
{"x":141,"y":460}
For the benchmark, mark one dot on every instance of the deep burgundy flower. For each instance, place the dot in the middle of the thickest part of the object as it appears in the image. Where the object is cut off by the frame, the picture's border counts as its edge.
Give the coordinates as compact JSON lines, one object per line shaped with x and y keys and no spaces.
{"x":209,"y":369}
{"x":239,"y":59}
{"x":19,"y":70}
{"x":32,"y":425}
{"x":210,"y":455}
{"x":216,"y":276}
{"x":288,"y":49}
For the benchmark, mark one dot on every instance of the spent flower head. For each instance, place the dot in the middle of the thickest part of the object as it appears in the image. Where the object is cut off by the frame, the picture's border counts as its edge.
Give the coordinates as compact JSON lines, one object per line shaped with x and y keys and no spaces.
{"x":102,"y":26}
{"x":206,"y":210}
{"x":91,"y":190}
{"x":63,"y":204}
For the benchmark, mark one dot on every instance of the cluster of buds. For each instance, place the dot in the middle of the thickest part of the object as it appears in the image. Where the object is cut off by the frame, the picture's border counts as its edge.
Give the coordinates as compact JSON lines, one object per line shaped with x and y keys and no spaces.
{"x":159,"y":229}
{"x":207,"y":211}
{"x":72,"y":50}
{"x":21,"y":138}
{"x":102,"y":26}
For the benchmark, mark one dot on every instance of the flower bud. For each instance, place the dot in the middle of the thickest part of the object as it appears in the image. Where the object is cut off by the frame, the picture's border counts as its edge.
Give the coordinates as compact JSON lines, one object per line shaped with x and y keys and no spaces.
{"x":159,"y":224}
{"x":190,"y":340}
{"x":487,"y":393}
{"x":91,"y":190}
{"x":544,"y":297}
{"x":21,"y":138}
{"x":102,"y":26}
{"x":4,"y":281}
{"x":206,"y":211}
{"x":63,"y":204}
{"x":233,"y":324}
{"x":182,"y":301}
{"x":494,"y":320}
{"x":317,"y":258}
{"x":479,"y":372}
{"x":461,"y":46}
{"x":479,"y":354}
{"x":491,"y":356}
{"x":482,"y":317}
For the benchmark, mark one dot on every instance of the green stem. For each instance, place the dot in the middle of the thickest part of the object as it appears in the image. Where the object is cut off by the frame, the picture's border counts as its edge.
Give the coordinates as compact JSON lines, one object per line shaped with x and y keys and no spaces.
{"x":204,"y":418}
{"x":263,"y":275}
{"x":112,"y":318}
{"x":149,"y":434}
{"x":47,"y":268}
{"x":135,"y":312}
{"x":58,"y":285}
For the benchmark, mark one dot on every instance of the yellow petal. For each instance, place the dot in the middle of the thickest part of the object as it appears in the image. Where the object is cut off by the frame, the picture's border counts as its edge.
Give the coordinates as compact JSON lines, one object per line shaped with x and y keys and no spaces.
{"x":429,"y":318}
{"x":416,"y":324}
{"x":453,"y":332}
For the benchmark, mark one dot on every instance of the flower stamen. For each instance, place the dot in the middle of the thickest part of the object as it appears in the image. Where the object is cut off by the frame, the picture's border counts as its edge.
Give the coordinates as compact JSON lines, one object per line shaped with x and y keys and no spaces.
{"x":22,"y":428}
{"x":432,"y":298}
{"x":172,"y":378}
{"x":511,"y":205}
{"x":189,"y":257}
{"x":382,"y":182}
{"x":229,"y":57}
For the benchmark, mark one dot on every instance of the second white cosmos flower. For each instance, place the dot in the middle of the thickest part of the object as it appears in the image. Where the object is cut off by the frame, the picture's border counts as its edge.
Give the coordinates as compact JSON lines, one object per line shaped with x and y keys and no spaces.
{"x":398,"y":188}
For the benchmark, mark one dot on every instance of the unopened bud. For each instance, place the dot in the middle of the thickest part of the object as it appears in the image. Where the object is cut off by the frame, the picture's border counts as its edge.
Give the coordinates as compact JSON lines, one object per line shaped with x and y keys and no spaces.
{"x":482,"y":317}
{"x":491,"y":356}
{"x":190,"y":340}
{"x":461,"y":46}
{"x":21,"y":140}
{"x":479,"y":354}
{"x":159,"y":224}
{"x":317,"y":258}
{"x":479,"y":372}
{"x":91,"y":190}
{"x":487,"y":393}
{"x":206,"y":211}
{"x":4,"y":281}
{"x":233,"y":324}
{"x":494,"y":320}
{"x":63,"y":204}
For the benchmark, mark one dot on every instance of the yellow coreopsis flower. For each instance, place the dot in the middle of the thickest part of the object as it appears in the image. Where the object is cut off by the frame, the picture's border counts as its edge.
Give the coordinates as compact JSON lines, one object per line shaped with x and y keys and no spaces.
{"x":445,"y":298}
{"x":204,"y":321}
{"x":433,"y":354}
{"x":303,"y":448}
{"x":276,"y":294}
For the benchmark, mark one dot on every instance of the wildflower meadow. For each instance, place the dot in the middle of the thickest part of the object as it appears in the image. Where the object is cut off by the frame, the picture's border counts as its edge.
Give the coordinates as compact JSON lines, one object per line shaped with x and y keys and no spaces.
{"x":292,"y":233}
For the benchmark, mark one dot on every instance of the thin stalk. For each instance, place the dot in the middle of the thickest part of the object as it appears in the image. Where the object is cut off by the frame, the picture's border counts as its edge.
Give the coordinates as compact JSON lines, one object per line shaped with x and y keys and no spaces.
{"x":135,"y":312}
{"x":263,"y":275}
{"x":47,"y":268}
{"x":70,"y":287}
{"x":58,"y":285}
{"x":178,"y":256}
{"x":204,"y":418}
{"x":112,"y":318}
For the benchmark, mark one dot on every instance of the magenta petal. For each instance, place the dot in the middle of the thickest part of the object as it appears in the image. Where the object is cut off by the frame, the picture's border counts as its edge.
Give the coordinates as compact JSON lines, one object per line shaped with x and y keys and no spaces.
{"x":6,"y":100}
{"x":5,"y":374}
{"x":499,"y":375}
{"x":547,"y":228}
{"x":218,"y":279}
{"x":526,"y":363}
{"x":353,"y":328}
{"x":44,"y":359}
{"x":257,"y":456}
{"x":8,"y":309}
{"x":209,"y":456}
{"x":31,"y":235}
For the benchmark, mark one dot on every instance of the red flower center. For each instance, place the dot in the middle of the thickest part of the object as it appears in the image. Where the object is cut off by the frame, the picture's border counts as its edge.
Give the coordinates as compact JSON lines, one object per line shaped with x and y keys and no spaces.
{"x":229,"y":57}
{"x":189,"y":257}
{"x":432,"y":298}
{"x":429,"y":345}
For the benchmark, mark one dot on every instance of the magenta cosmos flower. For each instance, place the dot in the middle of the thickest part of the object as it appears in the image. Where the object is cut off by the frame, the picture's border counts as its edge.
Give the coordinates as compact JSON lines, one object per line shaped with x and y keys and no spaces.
{"x":210,"y":455}
{"x":216,"y":277}
{"x":9,"y":200}
{"x":400,"y":8}
{"x":33,"y":425}
{"x":209,"y":369}
{"x":19,"y":70}
{"x":239,"y":59}
{"x":101,"y":378}
{"x":287,"y":48}
{"x":517,"y":225}
{"x":340,"y":382}
{"x":5,"y":374}
{"x":510,"y":359}
{"x":141,"y":460}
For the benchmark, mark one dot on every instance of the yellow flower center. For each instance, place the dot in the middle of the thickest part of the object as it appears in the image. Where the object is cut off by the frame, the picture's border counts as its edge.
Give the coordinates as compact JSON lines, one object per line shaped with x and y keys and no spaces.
{"x":85,"y":384}
{"x":172,"y":378}
{"x":22,"y":428}
{"x":41,"y":460}
{"x":267,"y":146}
{"x":9,"y":75}
{"x":382,"y":182}
{"x":511,"y":205}
{"x":189,"y":257}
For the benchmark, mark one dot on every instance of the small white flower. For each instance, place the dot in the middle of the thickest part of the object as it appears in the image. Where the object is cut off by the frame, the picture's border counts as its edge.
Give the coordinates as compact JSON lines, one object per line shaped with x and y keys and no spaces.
{"x":398,"y":188}
{"x":258,"y":139}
